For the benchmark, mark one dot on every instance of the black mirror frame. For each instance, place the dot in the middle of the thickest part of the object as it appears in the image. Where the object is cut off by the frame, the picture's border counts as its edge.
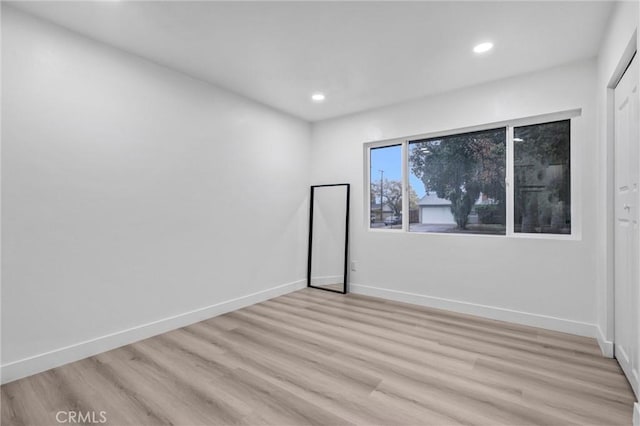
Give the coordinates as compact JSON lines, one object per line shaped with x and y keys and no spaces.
{"x":346,"y":239}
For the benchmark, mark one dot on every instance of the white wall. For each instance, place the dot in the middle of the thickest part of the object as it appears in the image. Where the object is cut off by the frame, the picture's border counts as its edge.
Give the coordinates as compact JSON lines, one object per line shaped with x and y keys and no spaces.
{"x":616,"y":48}
{"x":543,"y":282}
{"x":133,"y":194}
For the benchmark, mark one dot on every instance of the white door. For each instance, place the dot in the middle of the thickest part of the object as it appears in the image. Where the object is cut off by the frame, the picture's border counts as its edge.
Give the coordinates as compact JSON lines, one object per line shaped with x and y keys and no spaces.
{"x":627,"y":163}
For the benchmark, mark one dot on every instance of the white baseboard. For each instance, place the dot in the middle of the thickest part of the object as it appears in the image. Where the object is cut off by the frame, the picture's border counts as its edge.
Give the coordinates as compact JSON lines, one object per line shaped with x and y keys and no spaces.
{"x":636,"y":414}
{"x":492,"y":312}
{"x":55,"y":358}
{"x":606,"y":346}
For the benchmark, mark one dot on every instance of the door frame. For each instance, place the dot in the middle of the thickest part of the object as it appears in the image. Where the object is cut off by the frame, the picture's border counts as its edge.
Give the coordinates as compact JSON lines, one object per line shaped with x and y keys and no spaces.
{"x":631,"y":263}
{"x":606,"y":337}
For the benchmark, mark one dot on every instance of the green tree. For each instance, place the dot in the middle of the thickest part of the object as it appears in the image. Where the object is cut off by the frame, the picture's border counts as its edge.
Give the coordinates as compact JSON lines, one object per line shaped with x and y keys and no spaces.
{"x":460,"y":167}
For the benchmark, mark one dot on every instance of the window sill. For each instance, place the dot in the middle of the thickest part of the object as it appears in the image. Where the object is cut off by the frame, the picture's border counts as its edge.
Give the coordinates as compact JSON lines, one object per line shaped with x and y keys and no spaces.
{"x":516,"y":236}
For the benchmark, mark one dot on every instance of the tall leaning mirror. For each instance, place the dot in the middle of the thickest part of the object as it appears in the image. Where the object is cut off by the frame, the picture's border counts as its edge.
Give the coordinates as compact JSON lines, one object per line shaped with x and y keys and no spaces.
{"x":328,"y":237}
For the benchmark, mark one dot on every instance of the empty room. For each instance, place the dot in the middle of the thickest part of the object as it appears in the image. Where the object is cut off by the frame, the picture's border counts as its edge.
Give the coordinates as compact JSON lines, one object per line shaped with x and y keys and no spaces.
{"x":320,"y":213}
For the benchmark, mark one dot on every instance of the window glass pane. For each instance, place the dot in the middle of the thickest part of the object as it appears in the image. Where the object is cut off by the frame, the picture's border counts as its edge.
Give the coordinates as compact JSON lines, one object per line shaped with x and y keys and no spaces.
{"x":542,"y":191}
{"x":458,"y":183}
{"x":385,"y":177}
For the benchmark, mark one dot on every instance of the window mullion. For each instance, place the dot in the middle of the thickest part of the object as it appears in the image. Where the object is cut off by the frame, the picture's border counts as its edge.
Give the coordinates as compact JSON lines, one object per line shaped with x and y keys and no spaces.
{"x":367,"y":188}
{"x":405,"y":186}
{"x":509,"y":182}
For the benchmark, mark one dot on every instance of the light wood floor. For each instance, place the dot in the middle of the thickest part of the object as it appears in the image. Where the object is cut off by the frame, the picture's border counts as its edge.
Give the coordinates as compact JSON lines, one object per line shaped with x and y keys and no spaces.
{"x":315,"y":357}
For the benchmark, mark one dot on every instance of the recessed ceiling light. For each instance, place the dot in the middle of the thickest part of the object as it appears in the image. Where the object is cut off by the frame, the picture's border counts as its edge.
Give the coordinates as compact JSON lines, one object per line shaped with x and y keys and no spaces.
{"x":483,"y":47}
{"x":317,"y":97}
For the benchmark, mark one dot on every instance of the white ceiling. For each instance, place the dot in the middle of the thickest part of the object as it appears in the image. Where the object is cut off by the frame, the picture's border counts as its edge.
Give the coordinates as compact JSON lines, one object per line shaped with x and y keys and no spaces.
{"x":361,"y":54}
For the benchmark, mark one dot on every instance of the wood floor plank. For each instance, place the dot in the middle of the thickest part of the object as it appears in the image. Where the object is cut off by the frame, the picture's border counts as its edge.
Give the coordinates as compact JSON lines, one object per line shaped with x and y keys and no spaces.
{"x":560,"y":368}
{"x":428,"y":315}
{"x":319,"y":358}
{"x":414,"y":372}
{"x":326,"y":391}
{"x":460,"y":385}
{"x":456,"y":338}
{"x":532,"y":340}
{"x":92,"y":383}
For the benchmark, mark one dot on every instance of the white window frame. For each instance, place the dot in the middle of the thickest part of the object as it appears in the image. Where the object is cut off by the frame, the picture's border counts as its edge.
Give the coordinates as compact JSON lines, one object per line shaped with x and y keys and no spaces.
{"x":367,"y":171}
{"x":510,"y":125}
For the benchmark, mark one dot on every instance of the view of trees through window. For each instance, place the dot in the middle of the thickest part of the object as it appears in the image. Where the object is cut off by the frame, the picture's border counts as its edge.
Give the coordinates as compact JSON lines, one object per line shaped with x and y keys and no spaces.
{"x":456,"y":183}
{"x":463,"y":182}
{"x":386,"y":187}
{"x":542,"y":197}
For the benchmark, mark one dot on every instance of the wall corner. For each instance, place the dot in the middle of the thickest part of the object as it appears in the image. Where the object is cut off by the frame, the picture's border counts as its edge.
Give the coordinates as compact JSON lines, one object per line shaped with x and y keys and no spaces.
{"x":606,"y":346}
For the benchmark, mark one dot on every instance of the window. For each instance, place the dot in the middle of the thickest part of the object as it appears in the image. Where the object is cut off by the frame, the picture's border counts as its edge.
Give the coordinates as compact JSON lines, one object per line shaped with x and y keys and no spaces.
{"x":542,"y":175}
{"x":459,"y":183}
{"x":385,"y":179}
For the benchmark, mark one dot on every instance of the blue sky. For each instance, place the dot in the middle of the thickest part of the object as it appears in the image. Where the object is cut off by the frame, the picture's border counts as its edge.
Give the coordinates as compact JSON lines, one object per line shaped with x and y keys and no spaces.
{"x":389,"y":159}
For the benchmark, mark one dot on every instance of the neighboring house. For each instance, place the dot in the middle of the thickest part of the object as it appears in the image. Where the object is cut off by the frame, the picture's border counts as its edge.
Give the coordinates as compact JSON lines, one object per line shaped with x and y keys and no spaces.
{"x":375,"y":212}
{"x":437,"y":211}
